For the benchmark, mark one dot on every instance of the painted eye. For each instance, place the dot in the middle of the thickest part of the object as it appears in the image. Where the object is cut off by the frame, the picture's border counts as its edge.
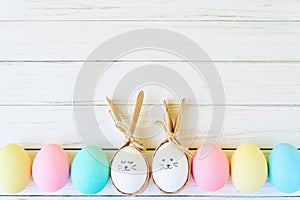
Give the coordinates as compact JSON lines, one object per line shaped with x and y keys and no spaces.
{"x":123,"y":162}
{"x":163,"y":160}
{"x":171,"y":159}
{"x":130,"y":162}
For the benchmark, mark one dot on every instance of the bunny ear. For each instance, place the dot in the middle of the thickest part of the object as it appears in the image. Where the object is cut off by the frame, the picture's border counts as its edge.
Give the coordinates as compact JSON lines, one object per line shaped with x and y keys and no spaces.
{"x":114,"y":110}
{"x":179,"y":116}
{"x":170,"y":123}
{"x":137,"y":110}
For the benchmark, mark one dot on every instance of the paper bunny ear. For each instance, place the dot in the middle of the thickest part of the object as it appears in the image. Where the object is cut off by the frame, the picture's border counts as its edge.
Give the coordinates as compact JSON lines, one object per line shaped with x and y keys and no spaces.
{"x":170,"y":123}
{"x":137,"y":111}
{"x":114,"y":110}
{"x":136,"y":114}
{"x":179,"y":116}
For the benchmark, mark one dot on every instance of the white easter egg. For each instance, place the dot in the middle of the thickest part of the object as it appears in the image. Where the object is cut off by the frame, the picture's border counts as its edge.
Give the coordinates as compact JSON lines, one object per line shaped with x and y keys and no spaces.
{"x":129,"y":170}
{"x":170,"y":168}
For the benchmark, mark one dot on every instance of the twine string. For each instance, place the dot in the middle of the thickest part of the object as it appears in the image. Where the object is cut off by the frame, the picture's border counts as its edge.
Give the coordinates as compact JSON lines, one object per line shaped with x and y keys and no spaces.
{"x":126,"y":131}
{"x":171,"y":137}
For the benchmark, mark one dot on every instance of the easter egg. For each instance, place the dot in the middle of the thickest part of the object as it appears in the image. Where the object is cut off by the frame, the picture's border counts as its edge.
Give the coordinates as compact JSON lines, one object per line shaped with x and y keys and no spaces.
{"x":90,"y":170}
{"x":249,"y":169}
{"x":51,"y":167}
{"x":129,"y":170}
{"x":170,"y":168}
{"x":210,"y":168}
{"x":15,"y":169}
{"x":284,"y":168}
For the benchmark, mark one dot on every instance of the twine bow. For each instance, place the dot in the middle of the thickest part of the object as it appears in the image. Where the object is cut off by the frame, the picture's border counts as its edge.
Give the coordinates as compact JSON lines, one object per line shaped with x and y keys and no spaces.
{"x":171,"y":130}
{"x":128,"y":132}
{"x":130,"y":139}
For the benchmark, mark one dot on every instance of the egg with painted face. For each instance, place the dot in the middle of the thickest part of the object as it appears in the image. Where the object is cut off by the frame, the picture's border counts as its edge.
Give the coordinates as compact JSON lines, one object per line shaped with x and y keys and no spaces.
{"x":129,"y":170}
{"x":15,"y":169}
{"x":170,"y":168}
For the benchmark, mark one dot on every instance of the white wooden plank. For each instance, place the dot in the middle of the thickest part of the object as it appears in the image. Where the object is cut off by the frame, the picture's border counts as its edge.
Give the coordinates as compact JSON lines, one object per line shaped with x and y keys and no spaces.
{"x":113,"y":197}
{"x":229,"y":191}
{"x":245,"y":83}
{"x":67,"y":197}
{"x":34,"y":126}
{"x":146,"y":197}
{"x":150,"y":10}
{"x":261,"y":84}
{"x":73,"y":40}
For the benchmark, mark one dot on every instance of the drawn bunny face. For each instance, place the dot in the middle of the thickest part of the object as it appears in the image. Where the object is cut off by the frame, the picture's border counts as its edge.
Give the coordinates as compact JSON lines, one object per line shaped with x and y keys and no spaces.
{"x":129,"y":163}
{"x":168,"y":163}
{"x":127,"y":166}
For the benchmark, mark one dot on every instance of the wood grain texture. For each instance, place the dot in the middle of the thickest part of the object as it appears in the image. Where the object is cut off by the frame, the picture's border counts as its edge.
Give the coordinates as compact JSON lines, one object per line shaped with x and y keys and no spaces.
{"x":253,"y":44}
{"x":222,"y":41}
{"x":245,"y":83}
{"x":150,"y":10}
{"x":35,"y":126}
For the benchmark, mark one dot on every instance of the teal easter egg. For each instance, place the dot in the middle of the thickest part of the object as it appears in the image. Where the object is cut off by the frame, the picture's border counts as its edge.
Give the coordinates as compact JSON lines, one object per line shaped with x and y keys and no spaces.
{"x":90,"y":170}
{"x":284,"y":168}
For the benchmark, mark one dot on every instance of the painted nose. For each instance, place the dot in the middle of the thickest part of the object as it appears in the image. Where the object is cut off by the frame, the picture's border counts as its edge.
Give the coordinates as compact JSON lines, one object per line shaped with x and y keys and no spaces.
{"x":168,"y":165}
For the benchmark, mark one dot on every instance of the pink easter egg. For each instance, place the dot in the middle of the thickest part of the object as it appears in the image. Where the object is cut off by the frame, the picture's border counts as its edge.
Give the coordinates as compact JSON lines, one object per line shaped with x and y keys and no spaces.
{"x":210,"y":168}
{"x":51,"y":168}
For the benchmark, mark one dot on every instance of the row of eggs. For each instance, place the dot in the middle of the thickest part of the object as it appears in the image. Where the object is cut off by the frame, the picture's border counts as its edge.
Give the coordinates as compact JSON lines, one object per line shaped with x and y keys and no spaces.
{"x":90,"y":169}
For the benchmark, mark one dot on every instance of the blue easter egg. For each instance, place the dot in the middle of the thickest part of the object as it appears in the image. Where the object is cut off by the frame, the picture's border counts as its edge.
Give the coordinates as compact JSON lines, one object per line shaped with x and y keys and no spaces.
{"x":284,"y":168}
{"x":90,"y":170}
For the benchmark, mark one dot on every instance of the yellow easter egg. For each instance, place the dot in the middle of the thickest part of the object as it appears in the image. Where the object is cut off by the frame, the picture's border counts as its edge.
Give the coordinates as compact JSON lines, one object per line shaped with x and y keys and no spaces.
{"x":249,"y":169}
{"x":15,"y":169}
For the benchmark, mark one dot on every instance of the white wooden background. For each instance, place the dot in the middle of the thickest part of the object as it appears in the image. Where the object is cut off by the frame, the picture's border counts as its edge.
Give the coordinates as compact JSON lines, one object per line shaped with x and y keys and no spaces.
{"x":255,"y":46}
